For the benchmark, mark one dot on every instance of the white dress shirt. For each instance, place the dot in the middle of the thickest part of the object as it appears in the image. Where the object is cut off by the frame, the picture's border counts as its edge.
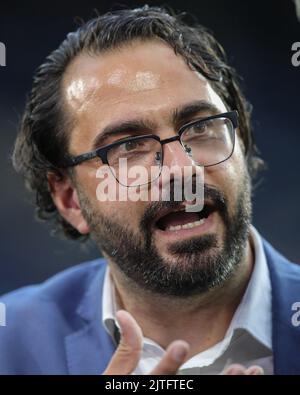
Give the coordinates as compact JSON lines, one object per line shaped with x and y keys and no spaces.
{"x":248,"y":339}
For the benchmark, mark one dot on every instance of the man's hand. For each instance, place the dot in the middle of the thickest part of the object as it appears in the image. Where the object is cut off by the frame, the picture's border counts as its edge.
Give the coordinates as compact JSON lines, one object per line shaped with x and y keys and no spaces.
{"x":240,"y":370}
{"x":128,"y":353}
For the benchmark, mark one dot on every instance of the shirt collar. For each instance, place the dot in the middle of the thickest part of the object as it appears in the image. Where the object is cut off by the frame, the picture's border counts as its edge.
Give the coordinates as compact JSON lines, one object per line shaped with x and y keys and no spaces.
{"x":252,"y":315}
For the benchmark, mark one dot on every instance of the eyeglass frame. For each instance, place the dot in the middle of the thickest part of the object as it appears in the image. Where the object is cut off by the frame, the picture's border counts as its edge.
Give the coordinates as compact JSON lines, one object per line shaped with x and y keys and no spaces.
{"x":101,"y":152}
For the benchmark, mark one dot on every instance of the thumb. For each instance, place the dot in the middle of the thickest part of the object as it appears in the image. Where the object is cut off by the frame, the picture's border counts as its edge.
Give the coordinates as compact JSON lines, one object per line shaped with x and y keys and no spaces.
{"x":128,"y":352}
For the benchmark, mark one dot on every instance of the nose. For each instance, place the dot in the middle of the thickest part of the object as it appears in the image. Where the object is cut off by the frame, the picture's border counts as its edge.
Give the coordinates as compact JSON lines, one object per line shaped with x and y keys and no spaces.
{"x":175,"y":155}
{"x":174,"y":162}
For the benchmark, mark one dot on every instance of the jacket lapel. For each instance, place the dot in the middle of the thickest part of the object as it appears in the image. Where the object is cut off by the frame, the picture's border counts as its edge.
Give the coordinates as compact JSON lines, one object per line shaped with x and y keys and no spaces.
{"x":90,"y":348}
{"x":285,"y":280}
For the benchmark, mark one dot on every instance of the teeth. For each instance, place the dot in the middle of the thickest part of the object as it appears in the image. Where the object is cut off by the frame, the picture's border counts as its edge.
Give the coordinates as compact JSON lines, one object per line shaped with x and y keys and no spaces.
{"x":187,"y":226}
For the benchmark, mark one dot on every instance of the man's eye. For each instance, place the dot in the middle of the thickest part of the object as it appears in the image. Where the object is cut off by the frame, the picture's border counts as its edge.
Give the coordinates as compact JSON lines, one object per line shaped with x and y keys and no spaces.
{"x":205,"y":126}
{"x":130,"y":145}
{"x":205,"y":129}
{"x":199,"y":127}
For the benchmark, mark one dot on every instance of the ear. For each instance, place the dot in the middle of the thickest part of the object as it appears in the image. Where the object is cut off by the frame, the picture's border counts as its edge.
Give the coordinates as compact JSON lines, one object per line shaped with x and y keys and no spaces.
{"x":65,"y":198}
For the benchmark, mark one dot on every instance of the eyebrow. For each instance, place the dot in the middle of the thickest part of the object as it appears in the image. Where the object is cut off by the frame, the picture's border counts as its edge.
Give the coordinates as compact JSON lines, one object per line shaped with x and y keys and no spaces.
{"x":144,"y":126}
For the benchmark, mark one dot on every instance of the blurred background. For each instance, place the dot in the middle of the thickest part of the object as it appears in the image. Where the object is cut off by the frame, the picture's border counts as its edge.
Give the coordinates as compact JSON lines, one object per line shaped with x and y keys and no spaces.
{"x":257,"y":35}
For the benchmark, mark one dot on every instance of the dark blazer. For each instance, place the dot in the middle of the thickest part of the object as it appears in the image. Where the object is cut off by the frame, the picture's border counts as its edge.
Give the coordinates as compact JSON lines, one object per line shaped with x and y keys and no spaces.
{"x":56,"y":327}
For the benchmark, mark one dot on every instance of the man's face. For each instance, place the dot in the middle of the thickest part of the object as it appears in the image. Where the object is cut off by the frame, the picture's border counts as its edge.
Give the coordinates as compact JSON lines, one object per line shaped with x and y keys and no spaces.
{"x":148,"y":82}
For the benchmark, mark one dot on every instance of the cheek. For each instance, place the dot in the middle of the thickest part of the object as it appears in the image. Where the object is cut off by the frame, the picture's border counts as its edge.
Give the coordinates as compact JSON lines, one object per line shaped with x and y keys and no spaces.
{"x":238,"y":163}
{"x":229,"y":176}
{"x":127,"y":214}
{"x":110,"y":198}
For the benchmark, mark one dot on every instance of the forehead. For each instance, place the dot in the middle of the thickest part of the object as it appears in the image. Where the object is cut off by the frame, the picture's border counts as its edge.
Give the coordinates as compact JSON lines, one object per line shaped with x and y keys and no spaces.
{"x":145,"y":79}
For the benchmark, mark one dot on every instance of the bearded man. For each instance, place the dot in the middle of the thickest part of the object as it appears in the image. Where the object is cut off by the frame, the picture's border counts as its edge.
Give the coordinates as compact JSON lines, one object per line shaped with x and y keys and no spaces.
{"x":177,"y":290}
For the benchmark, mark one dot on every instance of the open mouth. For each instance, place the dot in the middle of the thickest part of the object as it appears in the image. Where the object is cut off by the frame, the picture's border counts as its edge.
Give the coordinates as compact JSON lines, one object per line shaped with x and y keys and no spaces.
{"x":178,"y":219}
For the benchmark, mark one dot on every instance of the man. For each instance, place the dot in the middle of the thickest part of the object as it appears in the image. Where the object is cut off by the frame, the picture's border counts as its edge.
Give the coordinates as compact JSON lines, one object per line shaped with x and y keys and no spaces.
{"x":179,"y":290}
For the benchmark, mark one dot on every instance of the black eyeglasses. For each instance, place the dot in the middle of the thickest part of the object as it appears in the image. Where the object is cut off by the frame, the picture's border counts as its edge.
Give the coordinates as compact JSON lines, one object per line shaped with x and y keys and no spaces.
{"x":207,"y":141}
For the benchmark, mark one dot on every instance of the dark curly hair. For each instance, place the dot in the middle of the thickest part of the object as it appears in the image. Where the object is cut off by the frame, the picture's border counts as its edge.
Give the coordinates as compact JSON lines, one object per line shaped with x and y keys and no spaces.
{"x":42,"y":142}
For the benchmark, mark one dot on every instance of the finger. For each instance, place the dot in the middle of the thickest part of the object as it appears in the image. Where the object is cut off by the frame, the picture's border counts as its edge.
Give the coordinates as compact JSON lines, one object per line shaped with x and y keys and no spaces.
{"x":174,"y":357}
{"x":255,"y":371}
{"x":127,"y":355}
{"x":234,"y":370}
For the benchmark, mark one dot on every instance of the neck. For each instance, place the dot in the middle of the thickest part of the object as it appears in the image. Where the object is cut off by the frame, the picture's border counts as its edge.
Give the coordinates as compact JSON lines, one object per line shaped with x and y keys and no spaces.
{"x":204,"y":319}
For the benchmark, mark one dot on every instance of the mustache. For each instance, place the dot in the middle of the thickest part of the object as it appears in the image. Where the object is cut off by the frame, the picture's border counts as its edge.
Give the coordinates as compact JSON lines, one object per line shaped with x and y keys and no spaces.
{"x":217,"y":201}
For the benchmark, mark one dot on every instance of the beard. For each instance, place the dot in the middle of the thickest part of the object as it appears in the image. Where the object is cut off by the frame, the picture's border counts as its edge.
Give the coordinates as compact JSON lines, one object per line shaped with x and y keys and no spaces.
{"x":195,"y":266}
